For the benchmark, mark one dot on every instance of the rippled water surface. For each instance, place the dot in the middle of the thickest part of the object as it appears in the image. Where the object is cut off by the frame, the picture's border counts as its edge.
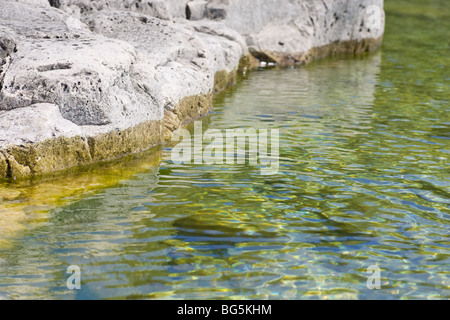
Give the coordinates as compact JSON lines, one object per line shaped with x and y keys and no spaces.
{"x":364,"y":180}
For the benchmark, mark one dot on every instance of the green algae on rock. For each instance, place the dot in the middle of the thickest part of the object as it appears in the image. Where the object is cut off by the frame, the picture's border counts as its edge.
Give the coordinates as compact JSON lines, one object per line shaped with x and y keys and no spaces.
{"x":25,"y":203}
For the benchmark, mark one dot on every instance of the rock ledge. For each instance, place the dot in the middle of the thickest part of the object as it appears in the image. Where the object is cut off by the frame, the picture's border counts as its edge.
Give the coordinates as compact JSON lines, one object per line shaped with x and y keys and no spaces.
{"x":86,"y":81}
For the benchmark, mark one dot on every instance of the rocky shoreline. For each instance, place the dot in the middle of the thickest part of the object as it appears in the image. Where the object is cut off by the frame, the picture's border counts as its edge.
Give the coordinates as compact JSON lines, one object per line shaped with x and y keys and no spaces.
{"x":87,"y":81}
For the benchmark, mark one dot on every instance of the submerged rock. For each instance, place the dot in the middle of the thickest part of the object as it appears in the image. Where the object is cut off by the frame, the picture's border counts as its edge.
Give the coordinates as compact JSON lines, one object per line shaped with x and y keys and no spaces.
{"x":84,"y":81}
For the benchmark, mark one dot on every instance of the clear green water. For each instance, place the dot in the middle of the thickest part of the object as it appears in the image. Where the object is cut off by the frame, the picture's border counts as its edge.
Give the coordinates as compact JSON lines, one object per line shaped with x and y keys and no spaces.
{"x":364,"y":180}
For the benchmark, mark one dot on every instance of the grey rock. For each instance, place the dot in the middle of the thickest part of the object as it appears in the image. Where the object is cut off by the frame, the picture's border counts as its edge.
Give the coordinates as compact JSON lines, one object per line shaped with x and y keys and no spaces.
{"x":84,"y":68}
{"x":94,"y":80}
{"x":155,"y":8}
{"x":195,"y":10}
{"x":47,"y":123}
{"x":39,"y":3}
{"x":297,"y":26}
{"x":163,"y":9}
{"x":185,"y":58}
{"x":217,"y":10}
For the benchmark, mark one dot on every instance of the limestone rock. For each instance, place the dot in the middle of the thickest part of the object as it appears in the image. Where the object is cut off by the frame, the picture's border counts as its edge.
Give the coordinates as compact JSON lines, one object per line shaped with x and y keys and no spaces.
{"x":39,"y":3}
{"x":195,"y":10}
{"x":89,"y":80}
{"x":285,"y":31}
{"x":47,"y":121}
{"x":185,"y":57}
{"x":94,"y":80}
{"x":217,"y":9}
{"x":155,"y":8}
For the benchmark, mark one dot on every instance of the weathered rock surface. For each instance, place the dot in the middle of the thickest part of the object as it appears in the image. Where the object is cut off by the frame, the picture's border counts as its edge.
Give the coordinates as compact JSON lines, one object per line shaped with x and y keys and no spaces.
{"x":184,"y":56}
{"x":163,"y":9}
{"x":287,"y":32}
{"x":89,"y":80}
{"x":284,"y":32}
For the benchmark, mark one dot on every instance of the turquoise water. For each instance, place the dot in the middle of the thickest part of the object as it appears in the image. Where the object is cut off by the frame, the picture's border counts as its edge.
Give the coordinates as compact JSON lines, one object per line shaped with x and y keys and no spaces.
{"x":363,"y":180}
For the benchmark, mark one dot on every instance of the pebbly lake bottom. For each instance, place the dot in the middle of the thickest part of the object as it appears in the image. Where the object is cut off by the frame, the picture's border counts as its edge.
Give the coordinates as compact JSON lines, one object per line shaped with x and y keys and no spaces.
{"x":363,"y":180}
